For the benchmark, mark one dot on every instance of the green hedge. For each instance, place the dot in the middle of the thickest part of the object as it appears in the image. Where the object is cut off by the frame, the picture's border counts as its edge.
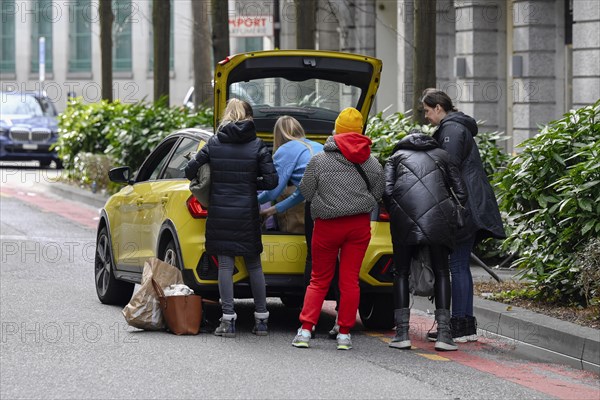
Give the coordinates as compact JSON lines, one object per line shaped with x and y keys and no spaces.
{"x":124,"y":132}
{"x":551,"y":192}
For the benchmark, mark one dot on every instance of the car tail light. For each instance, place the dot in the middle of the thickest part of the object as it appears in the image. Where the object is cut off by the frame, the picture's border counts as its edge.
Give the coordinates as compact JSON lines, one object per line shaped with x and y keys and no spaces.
{"x":383,"y":214}
{"x":224,"y":61}
{"x":195,"y":208}
{"x":383,"y":270}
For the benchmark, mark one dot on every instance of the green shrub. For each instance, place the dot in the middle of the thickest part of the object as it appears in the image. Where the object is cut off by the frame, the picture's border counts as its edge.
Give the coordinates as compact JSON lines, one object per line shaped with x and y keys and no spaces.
{"x":386,"y":132}
{"x":551,"y":192}
{"x":82,"y":128}
{"x":125,"y":132}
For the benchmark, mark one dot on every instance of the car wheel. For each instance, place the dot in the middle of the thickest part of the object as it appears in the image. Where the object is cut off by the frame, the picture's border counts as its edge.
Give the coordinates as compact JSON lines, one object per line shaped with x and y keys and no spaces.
{"x":292,"y":301}
{"x":376,"y":311}
{"x":108,"y":288}
{"x":170,"y":254}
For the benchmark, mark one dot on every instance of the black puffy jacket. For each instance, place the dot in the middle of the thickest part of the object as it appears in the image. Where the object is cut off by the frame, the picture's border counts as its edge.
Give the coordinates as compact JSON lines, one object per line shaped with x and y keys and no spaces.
{"x":417,"y":180}
{"x":240,"y":164}
{"x":456,"y":135}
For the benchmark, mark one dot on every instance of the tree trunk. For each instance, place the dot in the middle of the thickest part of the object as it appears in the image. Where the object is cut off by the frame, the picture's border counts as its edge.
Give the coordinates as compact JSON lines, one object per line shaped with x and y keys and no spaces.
{"x":220,"y":30}
{"x":106,"y":22}
{"x":424,"y":53}
{"x":306,"y":15}
{"x":202,"y":56}
{"x":161,"y":21}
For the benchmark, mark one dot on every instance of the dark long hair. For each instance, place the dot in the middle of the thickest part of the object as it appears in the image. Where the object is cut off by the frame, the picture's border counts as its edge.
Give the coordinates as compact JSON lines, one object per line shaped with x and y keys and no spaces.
{"x":433,"y":97}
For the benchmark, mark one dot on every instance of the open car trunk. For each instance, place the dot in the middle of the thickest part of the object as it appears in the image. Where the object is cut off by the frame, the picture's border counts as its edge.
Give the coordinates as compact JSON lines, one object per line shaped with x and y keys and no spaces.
{"x":311,"y":86}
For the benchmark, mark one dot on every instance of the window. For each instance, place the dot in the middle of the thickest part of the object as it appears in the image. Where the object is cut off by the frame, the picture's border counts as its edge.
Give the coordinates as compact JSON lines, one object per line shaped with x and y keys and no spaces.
{"x":7,"y":36}
{"x":155,"y":162}
{"x":184,"y":152}
{"x":81,"y":13}
{"x":122,"y":35}
{"x":171,"y":41}
{"x":41,"y":26}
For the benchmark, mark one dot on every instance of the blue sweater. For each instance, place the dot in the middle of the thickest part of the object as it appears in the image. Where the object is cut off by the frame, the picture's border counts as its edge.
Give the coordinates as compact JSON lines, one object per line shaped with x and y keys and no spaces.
{"x":290,"y":162}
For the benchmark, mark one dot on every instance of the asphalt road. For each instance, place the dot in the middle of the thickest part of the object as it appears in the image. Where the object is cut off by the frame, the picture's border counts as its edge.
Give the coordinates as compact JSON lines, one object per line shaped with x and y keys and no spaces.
{"x":58,"y":341}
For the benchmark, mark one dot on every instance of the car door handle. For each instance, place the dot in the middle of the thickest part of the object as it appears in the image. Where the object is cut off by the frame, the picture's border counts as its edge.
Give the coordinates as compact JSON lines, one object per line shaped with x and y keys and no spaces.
{"x":139,"y":202}
{"x":164,"y":199}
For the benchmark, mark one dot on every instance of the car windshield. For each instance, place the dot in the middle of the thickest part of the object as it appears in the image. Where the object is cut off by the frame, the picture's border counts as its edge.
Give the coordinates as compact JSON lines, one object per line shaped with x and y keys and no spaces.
{"x":310,"y":99}
{"x":24,"y":104}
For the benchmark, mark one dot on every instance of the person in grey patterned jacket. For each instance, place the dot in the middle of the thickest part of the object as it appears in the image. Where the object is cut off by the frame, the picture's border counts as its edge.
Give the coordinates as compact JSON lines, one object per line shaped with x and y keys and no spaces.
{"x":343,"y":183}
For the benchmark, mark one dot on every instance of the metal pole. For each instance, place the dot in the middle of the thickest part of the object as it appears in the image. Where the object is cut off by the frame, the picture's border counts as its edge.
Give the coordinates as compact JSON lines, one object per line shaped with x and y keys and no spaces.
{"x":484,"y":266}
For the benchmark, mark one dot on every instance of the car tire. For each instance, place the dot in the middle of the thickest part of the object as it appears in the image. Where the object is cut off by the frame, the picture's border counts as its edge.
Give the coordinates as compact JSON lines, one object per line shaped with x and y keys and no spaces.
{"x":108,"y":288}
{"x":292,"y":301}
{"x":376,"y":311}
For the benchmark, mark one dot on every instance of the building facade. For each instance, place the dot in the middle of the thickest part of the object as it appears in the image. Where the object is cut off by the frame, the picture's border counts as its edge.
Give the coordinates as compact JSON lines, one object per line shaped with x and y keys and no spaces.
{"x":512,"y":64}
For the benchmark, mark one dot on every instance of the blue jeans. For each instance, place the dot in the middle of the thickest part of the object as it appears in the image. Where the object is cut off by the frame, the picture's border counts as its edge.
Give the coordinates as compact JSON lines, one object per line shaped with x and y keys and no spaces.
{"x":462,"y":280}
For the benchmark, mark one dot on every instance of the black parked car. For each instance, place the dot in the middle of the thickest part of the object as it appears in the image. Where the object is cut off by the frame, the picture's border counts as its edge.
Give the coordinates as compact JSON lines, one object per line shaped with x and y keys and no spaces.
{"x":28,"y":128}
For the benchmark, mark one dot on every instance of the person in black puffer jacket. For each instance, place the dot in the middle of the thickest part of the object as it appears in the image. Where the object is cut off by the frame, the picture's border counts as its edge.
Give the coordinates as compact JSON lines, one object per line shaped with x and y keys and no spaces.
{"x":418,"y":179}
{"x":455,"y":134}
{"x":240,"y":164}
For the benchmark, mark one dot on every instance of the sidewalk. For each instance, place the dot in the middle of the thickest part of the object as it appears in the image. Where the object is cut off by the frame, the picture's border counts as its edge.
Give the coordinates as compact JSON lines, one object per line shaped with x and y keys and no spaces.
{"x":535,"y":335}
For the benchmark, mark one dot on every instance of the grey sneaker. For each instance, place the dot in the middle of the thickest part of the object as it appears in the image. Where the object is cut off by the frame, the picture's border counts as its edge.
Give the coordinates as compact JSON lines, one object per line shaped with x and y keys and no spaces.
{"x":302,"y":339}
{"x":226,"y":328}
{"x":344,"y":342}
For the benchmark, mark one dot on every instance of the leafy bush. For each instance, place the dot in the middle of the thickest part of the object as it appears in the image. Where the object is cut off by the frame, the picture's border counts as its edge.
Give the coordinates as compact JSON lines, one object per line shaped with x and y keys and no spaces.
{"x":124,"y":132}
{"x":82,"y":128}
{"x":386,"y":132}
{"x":91,"y":171}
{"x":141,"y":126}
{"x":551,"y":192}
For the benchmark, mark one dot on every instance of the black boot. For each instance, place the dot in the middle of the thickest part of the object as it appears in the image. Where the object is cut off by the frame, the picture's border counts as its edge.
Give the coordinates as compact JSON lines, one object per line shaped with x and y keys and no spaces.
{"x":457,"y":325}
{"x":470,"y":329}
{"x":444,"y":340}
{"x":401,"y":340}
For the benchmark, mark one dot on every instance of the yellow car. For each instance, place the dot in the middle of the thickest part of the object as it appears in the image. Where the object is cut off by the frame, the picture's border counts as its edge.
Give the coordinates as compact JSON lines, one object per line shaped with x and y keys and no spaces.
{"x":155,"y":215}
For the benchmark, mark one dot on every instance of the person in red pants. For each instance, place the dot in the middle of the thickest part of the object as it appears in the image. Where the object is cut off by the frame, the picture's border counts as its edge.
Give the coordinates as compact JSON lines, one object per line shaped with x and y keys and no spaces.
{"x":343,"y":184}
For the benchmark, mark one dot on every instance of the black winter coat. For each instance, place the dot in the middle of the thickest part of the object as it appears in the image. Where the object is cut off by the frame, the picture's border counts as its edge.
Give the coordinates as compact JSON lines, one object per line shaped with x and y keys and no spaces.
{"x":240,"y":164}
{"x":417,"y":180}
{"x":456,"y":135}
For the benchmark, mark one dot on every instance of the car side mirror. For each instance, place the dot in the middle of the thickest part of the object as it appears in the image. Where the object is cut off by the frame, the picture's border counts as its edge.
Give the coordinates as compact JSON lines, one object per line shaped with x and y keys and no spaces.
{"x":120,"y":175}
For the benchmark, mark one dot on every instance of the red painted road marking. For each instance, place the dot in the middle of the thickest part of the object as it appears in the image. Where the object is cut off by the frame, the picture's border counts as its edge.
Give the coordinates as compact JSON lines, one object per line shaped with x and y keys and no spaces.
{"x":66,"y":209}
{"x":532,"y":375}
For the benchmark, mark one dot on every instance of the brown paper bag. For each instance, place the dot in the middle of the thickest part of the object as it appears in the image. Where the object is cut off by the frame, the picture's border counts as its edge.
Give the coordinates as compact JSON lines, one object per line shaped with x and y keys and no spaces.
{"x":143,"y":310}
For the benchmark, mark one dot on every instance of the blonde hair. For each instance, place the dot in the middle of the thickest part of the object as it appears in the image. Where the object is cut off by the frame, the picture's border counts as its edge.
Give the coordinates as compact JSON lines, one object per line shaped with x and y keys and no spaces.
{"x":286,"y":128}
{"x":236,"y":110}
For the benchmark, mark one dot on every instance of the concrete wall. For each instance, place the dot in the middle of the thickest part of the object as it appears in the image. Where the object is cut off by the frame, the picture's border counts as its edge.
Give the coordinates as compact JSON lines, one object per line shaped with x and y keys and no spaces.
{"x":480,"y":41}
{"x":586,"y":52}
{"x":387,"y":51}
{"x":538,"y":31}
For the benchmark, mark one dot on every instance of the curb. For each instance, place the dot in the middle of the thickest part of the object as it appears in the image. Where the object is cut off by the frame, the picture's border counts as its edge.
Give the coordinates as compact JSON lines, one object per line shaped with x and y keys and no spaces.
{"x":535,"y":335}
{"x":74,"y":193}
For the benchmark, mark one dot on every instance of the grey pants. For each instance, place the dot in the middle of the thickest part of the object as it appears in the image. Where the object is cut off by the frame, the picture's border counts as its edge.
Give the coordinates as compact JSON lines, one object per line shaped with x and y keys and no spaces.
{"x":257,"y":283}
